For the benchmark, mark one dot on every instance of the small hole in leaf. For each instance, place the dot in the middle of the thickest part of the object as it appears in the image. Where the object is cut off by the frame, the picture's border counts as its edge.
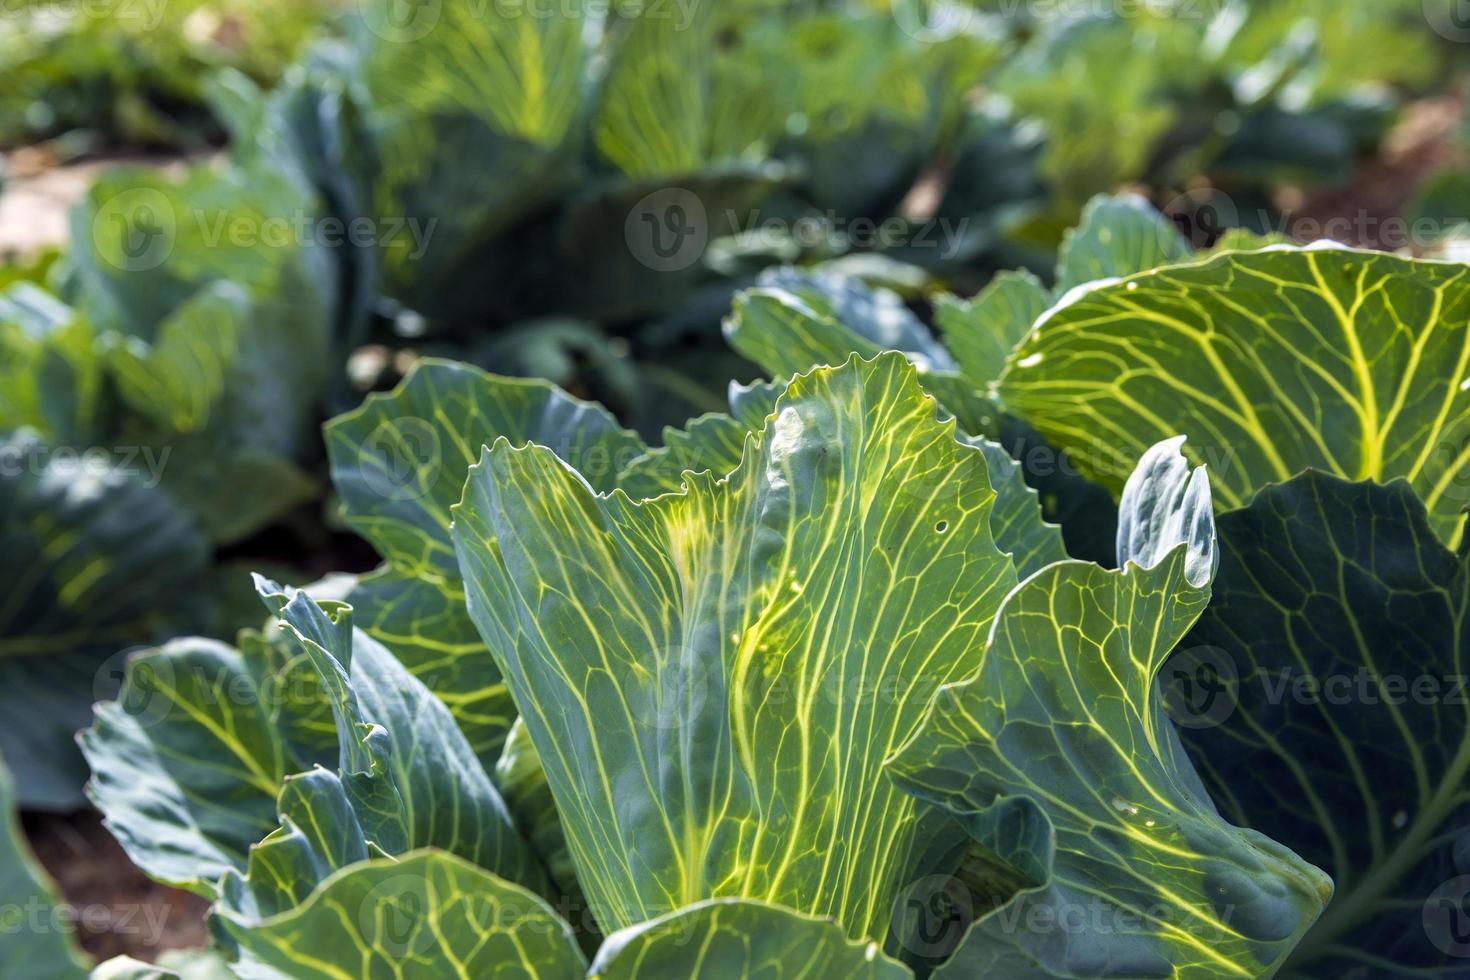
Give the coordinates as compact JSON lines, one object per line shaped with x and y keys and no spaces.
{"x":942,"y":526}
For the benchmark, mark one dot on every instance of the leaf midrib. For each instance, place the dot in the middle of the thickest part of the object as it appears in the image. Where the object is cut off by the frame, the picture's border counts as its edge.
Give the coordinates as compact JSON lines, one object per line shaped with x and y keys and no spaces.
{"x":1379,"y":878}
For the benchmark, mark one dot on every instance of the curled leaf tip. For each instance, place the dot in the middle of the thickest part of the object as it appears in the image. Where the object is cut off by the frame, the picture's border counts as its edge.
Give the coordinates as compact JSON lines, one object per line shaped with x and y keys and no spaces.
{"x":1165,"y":504}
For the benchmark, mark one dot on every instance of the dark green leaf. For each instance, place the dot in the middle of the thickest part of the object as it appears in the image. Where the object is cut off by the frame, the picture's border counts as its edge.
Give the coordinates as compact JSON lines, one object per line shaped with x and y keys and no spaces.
{"x":522,"y":782}
{"x":983,"y":331}
{"x":188,"y":761}
{"x":1337,"y":645}
{"x":407,"y":768}
{"x":50,"y":375}
{"x":97,"y":557}
{"x":788,"y":333}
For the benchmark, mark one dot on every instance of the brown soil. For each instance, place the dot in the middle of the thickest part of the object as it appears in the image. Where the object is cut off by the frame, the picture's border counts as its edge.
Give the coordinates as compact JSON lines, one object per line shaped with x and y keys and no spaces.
{"x":118,"y":910}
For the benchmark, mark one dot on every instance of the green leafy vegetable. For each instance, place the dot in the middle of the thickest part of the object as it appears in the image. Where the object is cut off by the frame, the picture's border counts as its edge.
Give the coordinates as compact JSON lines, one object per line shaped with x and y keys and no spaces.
{"x":983,"y":331}
{"x":1118,"y":236}
{"x":522,"y":782}
{"x":50,"y":377}
{"x":728,"y":939}
{"x":399,"y":463}
{"x":37,"y":944}
{"x":427,"y":915}
{"x":1271,"y":361}
{"x":686,"y":665}
{"x":1335,"y":657}
{"x":86,"y":575}
{"x":407,"y":769}
{"x":811,"y":688}
{"x":98,"y":558}
{"x":1063,"y":732}
{"x":188,"y":762}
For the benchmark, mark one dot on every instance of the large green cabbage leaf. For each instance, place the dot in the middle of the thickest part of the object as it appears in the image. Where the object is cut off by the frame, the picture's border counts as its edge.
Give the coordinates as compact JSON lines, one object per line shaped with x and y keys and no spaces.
{"x":715,"y":443}
{"x":188,"y":762}
{"x":399,"y":463}
{"x":1324,"y":694}
{"x":1270,"y":361}
{"x":442,"y":86}
{"x":407,"y":769}
{"x":736,"y":939}
{"x":712,"y":679}
{"x":426,"y":916}
{"x":192,"y":765}
{"x":794,"y":320}
{"x":1060,"y":760}
{"x":214,"y":316}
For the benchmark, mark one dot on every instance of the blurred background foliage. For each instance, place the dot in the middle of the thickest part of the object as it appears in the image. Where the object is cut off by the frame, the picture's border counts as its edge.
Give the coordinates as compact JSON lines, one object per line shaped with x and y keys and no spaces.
{"x":97,"y":75}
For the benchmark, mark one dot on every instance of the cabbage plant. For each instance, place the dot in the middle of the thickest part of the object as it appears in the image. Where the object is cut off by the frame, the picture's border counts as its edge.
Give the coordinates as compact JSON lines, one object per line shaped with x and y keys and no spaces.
{"x":816,"y":688}
{"x":1328,"y":390}
{"x":777,"y":714}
